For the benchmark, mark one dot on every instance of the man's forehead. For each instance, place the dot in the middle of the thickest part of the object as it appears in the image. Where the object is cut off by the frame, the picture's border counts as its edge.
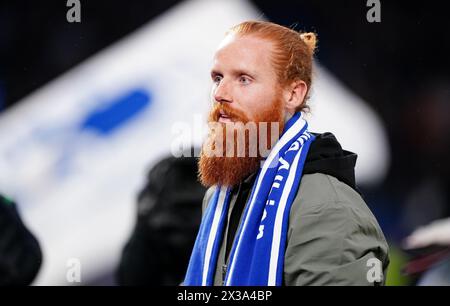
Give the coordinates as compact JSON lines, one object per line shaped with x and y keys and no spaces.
{"x":245,"y":52}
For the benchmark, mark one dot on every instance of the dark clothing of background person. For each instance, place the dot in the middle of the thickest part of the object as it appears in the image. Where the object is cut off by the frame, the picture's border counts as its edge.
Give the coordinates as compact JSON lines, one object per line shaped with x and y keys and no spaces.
{"x":169,"y":212}
{"x":20,"y":253}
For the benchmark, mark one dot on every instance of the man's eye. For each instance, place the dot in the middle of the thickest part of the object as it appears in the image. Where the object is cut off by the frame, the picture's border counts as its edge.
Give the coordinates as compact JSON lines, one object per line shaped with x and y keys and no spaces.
{"x":217,"y":78}
{"x":244,"y":80}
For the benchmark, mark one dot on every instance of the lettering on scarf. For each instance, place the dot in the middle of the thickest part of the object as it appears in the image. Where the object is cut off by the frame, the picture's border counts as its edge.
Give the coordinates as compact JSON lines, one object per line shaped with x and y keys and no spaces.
{"x":284,"y":165}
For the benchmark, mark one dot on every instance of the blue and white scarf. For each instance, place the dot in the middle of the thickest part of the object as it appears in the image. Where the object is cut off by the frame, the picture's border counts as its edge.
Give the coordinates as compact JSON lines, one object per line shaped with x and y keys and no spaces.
{"x":257,"y":254}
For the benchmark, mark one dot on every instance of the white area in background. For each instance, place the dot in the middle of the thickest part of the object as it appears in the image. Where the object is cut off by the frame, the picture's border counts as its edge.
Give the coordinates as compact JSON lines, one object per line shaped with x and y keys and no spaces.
{"x":357,"y":127}
{"x":89,"y":213}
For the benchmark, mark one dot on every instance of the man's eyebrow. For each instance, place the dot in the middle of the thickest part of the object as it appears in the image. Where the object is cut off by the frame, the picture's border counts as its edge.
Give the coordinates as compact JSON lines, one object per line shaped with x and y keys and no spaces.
{"x":236,"y":72}
{"x":243,"y":71}
{"x":215,"y":72}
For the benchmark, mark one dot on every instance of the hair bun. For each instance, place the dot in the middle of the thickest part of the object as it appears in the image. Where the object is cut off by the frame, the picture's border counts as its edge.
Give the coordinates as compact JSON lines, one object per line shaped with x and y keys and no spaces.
{"x":310,"y":40}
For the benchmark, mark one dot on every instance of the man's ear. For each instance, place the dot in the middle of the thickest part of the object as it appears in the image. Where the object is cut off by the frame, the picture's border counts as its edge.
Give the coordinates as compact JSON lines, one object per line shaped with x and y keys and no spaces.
{"x":294,"y":95}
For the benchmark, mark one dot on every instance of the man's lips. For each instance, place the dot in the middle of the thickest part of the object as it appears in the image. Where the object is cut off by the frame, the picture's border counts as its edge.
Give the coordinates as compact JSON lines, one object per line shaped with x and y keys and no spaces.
{"x":223,"y":117}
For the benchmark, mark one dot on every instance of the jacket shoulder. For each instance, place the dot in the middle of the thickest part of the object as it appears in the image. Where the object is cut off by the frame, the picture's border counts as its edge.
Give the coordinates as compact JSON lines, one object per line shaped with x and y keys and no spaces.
{"x":320,"y":191}
{"x":332,"y":235}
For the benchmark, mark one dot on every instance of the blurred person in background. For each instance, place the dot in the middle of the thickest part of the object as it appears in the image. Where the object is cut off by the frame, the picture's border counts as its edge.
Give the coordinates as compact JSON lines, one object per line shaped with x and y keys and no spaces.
{"x":429,"y":248}
{"x":429,"y":243}
{"x":294,"y":217}
{"x":20,"y":253}
{"x":168,"y":217}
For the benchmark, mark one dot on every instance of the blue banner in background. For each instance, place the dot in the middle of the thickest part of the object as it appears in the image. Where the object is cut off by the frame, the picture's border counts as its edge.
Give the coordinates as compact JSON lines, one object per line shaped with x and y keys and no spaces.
{"x":106,"y":119}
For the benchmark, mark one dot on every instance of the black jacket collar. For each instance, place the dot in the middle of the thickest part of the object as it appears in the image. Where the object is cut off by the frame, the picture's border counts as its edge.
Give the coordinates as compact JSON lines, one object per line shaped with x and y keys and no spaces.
{"x":326,"y":156}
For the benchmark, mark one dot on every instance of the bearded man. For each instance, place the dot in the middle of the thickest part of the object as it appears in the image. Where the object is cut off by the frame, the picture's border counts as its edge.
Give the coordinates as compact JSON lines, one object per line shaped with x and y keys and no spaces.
{"x":290,"y":214}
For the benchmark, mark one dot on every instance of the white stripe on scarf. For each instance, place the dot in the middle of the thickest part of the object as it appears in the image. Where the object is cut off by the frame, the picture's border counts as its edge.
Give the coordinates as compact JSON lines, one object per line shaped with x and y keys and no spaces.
{"x":276,"y":238}
{"x":213,"y":233}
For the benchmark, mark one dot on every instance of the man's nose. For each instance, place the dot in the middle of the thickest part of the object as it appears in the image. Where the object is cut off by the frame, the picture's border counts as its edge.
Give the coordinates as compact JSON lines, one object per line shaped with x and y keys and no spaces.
{"x":222,"y":93}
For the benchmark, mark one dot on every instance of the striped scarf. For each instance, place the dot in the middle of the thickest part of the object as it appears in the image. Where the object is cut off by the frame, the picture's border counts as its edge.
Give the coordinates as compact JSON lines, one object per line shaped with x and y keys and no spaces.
{"x":257,"y":254}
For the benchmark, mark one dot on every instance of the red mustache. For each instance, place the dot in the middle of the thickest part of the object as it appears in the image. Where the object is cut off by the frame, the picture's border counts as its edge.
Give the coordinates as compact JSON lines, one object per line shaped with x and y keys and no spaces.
{"x":234,"y":114}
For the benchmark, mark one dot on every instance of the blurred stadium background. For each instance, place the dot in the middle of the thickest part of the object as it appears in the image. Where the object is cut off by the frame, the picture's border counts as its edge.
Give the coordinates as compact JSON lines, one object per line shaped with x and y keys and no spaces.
{"x":87,"y":109}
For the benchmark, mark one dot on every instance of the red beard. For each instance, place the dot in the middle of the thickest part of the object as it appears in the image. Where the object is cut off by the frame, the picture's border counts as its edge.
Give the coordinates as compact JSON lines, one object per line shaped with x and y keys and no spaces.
{"x":234,"y":162}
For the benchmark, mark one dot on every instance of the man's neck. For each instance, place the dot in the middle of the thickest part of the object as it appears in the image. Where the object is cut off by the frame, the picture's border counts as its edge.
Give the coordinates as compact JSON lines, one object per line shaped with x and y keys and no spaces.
{"x":287,"y":116}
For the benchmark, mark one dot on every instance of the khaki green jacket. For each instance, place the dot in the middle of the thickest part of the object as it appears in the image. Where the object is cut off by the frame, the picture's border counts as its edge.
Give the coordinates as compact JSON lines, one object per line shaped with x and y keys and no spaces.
{"x":333,"y":238}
